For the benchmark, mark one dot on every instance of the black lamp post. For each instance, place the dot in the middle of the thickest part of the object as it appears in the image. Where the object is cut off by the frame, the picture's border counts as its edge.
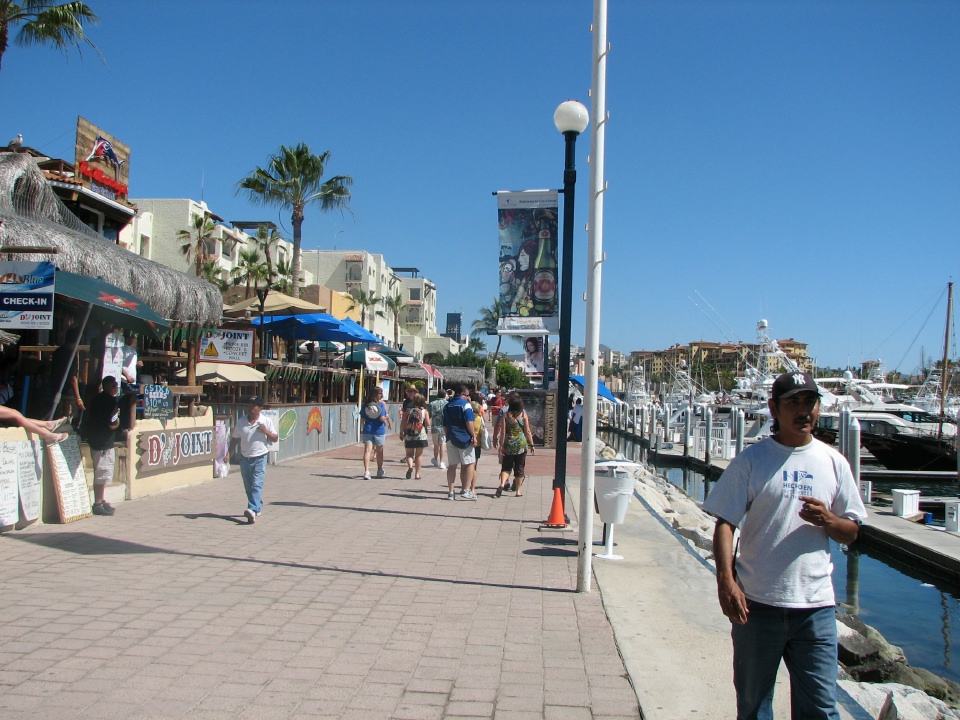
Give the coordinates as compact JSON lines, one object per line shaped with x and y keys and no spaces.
{"x":262,"y":293}
{"x":571,"y":119}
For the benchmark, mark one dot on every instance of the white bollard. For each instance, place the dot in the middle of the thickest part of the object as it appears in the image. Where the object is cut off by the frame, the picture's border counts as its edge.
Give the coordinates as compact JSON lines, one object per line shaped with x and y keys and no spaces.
{"x":709,"y":416}
{"x":740,"y":415}
{"x":853,"y":447}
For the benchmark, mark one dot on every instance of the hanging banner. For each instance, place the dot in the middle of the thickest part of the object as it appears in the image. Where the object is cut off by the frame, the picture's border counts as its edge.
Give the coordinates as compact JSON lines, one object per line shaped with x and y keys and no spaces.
{"x":26,"y":295}
{"x":529,"y":271}
{"x":227,"y":346}
{"x":533,"y":356}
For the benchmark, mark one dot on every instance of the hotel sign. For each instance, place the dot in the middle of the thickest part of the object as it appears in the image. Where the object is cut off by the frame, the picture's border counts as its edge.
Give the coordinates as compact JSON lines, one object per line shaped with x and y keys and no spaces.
{"x":102,"y":161}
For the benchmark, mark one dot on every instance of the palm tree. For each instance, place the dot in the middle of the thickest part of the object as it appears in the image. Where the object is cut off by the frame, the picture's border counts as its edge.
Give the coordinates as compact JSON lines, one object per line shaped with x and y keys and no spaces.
{"x":210,"y":272}
{"x":265,"y":241}
{"x":283,"y":274}
{"x":249,"y":269}
{"x":393,"y":306}
{"x":292,"y":179}
{"x":364,"y":300}
{"x":488,"y":321}
{"x":44,"y":23}
{"x":476,"y":345}
{"x":203,"y":228}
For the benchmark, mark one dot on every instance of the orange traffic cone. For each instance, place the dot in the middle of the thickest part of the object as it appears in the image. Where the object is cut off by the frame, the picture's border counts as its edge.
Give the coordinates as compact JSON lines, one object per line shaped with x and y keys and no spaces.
{"x":556,"y":518}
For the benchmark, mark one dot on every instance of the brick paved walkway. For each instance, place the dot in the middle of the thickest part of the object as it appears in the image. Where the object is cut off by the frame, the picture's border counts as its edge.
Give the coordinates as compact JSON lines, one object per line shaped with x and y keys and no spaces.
{"x":348,"y":598}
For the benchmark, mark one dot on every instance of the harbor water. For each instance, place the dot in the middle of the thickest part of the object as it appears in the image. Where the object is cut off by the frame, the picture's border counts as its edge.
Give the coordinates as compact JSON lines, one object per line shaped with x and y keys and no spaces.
{"x":910,"y":609}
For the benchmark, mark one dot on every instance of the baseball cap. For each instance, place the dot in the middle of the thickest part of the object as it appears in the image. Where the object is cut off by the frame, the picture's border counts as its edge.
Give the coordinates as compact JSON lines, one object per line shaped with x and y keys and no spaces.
{"x":255,"y":400}
{"x":789,"y":384}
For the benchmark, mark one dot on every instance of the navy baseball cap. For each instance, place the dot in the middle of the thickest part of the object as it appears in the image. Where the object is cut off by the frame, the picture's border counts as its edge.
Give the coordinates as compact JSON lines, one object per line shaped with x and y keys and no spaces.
{"x":789,"y":384}
{"x":255,"y":400}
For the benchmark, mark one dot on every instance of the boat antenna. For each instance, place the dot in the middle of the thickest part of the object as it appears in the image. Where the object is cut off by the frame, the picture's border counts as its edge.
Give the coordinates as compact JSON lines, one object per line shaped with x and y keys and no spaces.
{"x":913,"y":342}
{"x":725,"y":333}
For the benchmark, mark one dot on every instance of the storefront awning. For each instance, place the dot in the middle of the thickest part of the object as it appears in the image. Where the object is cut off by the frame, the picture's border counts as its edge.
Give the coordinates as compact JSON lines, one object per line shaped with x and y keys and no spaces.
{"x":208,"y":372}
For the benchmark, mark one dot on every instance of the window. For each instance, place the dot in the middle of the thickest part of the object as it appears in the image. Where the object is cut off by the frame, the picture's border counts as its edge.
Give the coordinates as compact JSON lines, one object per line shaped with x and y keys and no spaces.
{"x":414,"y":293}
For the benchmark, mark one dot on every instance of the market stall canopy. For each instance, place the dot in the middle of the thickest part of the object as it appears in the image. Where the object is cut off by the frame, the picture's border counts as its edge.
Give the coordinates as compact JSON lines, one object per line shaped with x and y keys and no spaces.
{"x":369,"y":359}
{"x":208,"y":372}
{"x":31,"y":215}
{"x":602,"y":390}
{"x":274,"y":304}
{"x":110,"y":304}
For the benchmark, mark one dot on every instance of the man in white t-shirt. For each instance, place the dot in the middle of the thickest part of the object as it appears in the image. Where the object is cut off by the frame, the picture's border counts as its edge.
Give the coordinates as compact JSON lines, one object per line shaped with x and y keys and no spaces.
{"x":790,"y":495}
{"x":253,"y":433}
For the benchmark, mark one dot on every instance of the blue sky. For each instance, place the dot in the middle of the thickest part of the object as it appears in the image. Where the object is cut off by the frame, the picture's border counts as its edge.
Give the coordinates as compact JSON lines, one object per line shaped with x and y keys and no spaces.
{"x":794,"y":161}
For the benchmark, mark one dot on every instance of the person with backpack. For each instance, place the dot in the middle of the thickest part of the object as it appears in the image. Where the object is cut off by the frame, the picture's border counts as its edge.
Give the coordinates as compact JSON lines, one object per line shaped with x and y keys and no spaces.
{"x":416,"y":425}
{"x":373,"y":430}
{"x":458,"y":426}
{"x":512,"y":439}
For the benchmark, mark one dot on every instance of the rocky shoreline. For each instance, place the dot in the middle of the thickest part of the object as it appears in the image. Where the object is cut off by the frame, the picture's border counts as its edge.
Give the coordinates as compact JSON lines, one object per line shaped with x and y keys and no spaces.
{"x":875,"y":673}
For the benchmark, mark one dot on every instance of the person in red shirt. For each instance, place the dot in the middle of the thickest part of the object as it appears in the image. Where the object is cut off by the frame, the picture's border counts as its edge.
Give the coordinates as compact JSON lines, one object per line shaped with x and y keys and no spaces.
{"x":496,"y":403}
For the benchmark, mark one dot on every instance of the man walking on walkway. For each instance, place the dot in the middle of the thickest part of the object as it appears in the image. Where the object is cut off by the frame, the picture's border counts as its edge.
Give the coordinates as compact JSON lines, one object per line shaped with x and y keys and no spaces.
{"x":253,"y":433}
{"x":102,"y":424}
{"x":793,"y":494}
{"x":458,"y":426}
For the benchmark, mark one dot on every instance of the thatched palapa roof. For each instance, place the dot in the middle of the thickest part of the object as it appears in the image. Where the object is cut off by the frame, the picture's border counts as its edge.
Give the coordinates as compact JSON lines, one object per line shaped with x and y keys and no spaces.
{"x":31,"y":215}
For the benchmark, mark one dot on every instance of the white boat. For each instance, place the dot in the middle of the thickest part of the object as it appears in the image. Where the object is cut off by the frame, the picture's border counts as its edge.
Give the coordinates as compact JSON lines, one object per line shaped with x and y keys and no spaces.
{"x":637,"y":394}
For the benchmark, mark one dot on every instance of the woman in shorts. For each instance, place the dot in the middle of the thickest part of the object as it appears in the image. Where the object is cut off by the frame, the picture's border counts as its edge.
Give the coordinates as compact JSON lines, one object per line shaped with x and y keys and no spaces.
{"x":512,"y":439}
{"x":373,"y":431}
{"x":415,"y":429}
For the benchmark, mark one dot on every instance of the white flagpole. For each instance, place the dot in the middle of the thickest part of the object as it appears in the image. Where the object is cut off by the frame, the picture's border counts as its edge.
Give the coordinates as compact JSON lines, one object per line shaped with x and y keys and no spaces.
{"x":598,"y":117}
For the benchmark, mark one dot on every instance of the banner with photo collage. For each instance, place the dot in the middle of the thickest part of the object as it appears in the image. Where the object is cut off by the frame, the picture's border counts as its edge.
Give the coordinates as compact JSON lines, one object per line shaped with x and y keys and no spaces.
{"x":529,"y":272}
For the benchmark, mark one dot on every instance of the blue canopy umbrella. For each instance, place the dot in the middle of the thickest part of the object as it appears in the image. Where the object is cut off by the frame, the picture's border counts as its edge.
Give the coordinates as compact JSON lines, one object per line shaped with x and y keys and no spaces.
{"x":361,"y":333}
{"x":305,"y":326}
{"x":602,"y":390}
{"x":317,"y":326}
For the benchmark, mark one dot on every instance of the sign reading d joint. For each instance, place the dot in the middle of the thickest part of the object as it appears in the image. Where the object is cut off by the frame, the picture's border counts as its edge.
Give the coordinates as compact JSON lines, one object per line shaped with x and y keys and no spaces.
{"x":227,"y":346}
{"x":174,"y":449}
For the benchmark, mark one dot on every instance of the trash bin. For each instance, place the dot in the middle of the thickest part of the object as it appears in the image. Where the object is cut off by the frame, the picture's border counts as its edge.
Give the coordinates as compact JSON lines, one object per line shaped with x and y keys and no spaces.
{"x":613,"y":496}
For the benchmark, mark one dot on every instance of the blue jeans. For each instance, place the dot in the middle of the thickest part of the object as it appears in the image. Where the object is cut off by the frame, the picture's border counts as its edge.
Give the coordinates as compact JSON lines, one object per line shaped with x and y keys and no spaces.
{"x":806,"y":640}
{"x":253,"y":470}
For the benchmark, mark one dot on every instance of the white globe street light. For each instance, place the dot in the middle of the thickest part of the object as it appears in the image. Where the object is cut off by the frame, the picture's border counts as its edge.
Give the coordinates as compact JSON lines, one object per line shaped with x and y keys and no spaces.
{"x":571,"y":116}
{"x":571,"y":119}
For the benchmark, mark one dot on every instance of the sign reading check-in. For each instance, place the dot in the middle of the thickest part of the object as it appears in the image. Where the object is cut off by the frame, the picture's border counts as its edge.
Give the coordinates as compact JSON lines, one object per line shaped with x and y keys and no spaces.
{"x":26,"y":295}
{"x":174,"y":449}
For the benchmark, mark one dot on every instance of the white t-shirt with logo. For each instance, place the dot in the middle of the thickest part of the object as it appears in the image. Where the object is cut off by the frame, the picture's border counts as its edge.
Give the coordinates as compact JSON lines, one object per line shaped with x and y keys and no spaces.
{"x":783,"y":560}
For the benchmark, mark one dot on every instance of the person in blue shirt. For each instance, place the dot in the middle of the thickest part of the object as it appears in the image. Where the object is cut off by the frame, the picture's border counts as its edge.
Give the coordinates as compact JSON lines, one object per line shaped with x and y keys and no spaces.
{"x":458,"y":426}
{"x":373,"y":431}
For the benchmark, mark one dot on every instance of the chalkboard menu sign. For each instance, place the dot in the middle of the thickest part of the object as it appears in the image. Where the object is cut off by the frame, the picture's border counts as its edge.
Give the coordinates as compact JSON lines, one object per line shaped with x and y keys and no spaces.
{"x":69,"y":480}
{"x":20,"y":479}
{"x":29,"y":478}
{"x":9,"y":493}
{"x":157,"y":402}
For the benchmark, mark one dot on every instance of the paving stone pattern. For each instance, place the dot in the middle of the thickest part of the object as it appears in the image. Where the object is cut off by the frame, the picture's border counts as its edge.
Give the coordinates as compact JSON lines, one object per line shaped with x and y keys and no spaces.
{"x":348,"y":598}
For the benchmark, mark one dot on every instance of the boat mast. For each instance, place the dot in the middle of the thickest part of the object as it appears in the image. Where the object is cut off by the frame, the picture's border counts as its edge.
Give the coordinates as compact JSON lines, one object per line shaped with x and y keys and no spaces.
{"x":945,"y":368}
